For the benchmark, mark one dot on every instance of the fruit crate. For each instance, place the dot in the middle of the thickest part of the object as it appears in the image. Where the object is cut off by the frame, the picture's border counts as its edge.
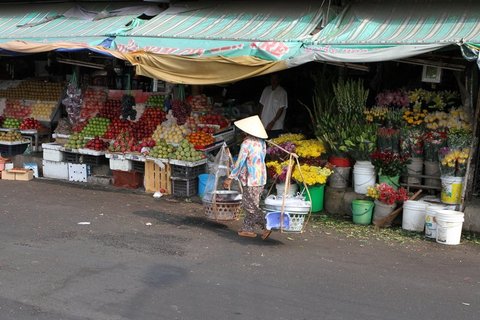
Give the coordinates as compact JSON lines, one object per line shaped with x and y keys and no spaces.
{"x":184,"y":172}
{"x":157,"y":178}
{"x":184,"y":188}
{"x":12,"y":149}
{"x":71,"y":157}
{"x":127,"y":179}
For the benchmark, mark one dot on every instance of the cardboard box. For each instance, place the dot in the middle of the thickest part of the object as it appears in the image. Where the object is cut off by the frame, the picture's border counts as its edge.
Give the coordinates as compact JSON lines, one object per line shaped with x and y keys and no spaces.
{"x":17,"y":174}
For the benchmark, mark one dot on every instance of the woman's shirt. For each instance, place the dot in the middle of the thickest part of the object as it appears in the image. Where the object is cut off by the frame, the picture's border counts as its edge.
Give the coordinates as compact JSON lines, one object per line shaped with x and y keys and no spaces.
{"x":250,"y":166}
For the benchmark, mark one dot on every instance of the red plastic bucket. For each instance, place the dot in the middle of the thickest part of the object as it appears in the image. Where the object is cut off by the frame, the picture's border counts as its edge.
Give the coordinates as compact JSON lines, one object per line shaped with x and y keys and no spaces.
{"x":340,"y":161}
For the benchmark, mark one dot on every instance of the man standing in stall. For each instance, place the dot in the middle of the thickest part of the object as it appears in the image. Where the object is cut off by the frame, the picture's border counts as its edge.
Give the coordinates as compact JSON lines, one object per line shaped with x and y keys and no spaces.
{"x":274,"y":102}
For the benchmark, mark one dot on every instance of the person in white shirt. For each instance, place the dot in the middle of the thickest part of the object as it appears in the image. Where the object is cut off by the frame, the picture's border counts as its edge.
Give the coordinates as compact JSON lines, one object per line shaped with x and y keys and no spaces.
{"x":274,"y":102}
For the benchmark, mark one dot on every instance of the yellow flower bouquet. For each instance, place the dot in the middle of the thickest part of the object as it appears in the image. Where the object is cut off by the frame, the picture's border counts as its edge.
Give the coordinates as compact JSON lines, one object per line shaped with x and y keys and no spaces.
{"x":309,"y":148}
{"x":453,"y":162}
{"x":311,"y":175}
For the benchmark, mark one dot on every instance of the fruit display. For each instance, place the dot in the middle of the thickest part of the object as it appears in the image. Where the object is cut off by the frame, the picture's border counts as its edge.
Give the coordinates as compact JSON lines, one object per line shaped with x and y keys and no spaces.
{"x":144,"y":143}
{"x":148,"y":122}
{"x":76,"y":141}
{"x":186,"y":151}
{"x":79,"y":126}
{"x":96,"y":126}
{"x":200,"y":139}
{"x":11,"y":136}
{"x":12,"y":123}
{"x":170,"y":131}
{"x":162,"y":150}
{"x":156,"y":101}
{"x":34,"y":90}
{"x":111,"y":110}
{"x":93,"y":101}
{"x":16,"y":109}
{"x":181,"y":111}
{"x":199,"y":103}
{"x":42,"y":110}
{"x":97,"y":144}
{"x":2,"y":119}
{"x":30,"y":124}
{"x":117,"y":126}
{"x":124,"y":142}
{"x":215,"y":119}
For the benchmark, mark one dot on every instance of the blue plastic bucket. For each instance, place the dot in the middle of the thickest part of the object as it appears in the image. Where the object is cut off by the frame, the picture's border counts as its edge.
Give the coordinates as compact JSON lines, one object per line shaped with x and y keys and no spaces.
{"x":202,"y":183}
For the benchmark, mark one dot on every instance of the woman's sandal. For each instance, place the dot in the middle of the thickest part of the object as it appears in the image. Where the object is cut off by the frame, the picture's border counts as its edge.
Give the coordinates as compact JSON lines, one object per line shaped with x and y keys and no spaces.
{"x":248,"y":234}
{"x":266,"y":233}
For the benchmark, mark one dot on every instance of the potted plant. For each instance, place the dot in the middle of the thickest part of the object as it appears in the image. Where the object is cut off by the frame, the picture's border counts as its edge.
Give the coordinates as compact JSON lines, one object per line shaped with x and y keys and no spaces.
{"x":386,"y":199}
{"x":389,"y":166}
{"x":314,"y":177}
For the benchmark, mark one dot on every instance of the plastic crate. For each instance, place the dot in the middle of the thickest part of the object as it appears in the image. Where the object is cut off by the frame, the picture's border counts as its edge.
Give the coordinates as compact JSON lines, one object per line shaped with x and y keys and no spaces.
{"x":184,"y":187}
{"x":93,"y":160}
{"x":179,"y":171}
{"x":71,"y":157}
{"x":127,"y":179}
{"x":8,"y":150}
{"x":138,"y":166}
{"x":157,"y":178}
{"x":55,"y":169}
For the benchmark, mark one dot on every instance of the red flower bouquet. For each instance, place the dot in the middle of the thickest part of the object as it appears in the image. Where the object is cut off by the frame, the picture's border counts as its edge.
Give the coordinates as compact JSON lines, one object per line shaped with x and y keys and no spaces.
{"x":387,"y":194}
{"x":389,"y":163}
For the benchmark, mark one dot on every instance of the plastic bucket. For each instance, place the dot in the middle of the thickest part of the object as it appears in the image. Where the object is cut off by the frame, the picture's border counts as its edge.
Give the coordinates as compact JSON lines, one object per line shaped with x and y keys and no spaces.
{"x":362,"y":211}
{"x":449,"y":226}
{"x":414,"y":215}
{"x":430,"y":220}
{"x":391,"y":181}
{"x":432,"y":168}
{"x":202,"y":183}
{"x":415,"y":168}
{"x":317,"y":193}
{"x":339,"y":161}
{"x":339,"y":178}
{"x":292,"y":190}
{"x":363,"y":176}
{"x":382,"y":210}
{"x":451,"y":189}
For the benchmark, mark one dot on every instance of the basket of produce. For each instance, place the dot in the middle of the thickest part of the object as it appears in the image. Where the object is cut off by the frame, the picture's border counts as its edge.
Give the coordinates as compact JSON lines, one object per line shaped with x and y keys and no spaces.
{"x":222,"y":211}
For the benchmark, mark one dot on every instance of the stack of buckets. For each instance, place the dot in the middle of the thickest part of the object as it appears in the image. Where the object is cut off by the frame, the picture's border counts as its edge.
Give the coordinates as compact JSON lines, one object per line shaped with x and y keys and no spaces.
{"x":441,"y":224}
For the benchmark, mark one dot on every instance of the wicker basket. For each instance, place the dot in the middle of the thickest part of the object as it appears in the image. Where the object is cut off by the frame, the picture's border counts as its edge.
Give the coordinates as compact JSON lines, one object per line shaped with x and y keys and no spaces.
{"x":222,"y":211}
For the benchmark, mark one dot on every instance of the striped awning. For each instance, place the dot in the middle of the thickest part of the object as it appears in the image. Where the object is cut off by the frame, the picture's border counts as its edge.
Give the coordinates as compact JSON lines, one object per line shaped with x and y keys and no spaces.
{"x":374,"y":30}
{"x":228,"y":29}
{"x":47,"y":23}
{"x":404,"y":22}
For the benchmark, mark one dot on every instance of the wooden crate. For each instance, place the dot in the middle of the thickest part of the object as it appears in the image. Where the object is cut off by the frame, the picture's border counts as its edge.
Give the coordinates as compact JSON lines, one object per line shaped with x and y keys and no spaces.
{"x":157,"y":178}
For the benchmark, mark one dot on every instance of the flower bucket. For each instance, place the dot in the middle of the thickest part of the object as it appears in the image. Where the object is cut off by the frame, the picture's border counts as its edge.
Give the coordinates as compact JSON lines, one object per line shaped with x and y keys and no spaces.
{"x":339,"y":178}
{"x":394,"y":182}
{"x":414,"y":213}
{"x":382,"y":210}
{"x":317,"y":192}
{"x":451,"y":190}
{"x":362,"y":211}
{"x":449,"y":226}
{"x":432,"y":168}
{"x":363,"y":176}
{"x":415,"y":168}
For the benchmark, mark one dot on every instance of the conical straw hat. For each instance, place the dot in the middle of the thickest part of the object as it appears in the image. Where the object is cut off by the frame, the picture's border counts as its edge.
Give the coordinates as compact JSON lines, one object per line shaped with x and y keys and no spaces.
{"x":253,"y":126}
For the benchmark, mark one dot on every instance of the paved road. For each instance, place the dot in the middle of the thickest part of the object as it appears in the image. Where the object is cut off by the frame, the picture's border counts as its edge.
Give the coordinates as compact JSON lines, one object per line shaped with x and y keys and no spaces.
{"x":184,"y":267}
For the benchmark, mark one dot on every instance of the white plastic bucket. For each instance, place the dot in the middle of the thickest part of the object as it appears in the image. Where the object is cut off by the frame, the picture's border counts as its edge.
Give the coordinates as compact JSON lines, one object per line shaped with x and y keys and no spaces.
{"x":451,"y":189}
{"x":430,"y":220}
{"x":415,"y":168}
{"x":414,"y":215}
{"x":449,"y":226}
{"x":363,"y":176}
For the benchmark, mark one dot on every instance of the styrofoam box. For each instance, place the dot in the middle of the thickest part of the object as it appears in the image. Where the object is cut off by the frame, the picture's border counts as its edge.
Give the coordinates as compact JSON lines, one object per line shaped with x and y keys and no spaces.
{"x":78,"y":172}
{"x":55,"y":169}
{"x":52,"y":152}
{"x":121,"y":165}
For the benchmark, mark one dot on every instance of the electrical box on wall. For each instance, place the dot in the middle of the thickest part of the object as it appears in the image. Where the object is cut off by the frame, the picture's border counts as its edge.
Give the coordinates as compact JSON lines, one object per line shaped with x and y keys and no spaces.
{"x":431,"y":74}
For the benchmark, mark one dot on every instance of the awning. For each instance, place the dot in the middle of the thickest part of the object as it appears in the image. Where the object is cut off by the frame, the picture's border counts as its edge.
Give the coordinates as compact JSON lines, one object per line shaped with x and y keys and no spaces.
{"x":44,"y":27}
{"x":244,"y":38}
{"x":368,"y":31}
